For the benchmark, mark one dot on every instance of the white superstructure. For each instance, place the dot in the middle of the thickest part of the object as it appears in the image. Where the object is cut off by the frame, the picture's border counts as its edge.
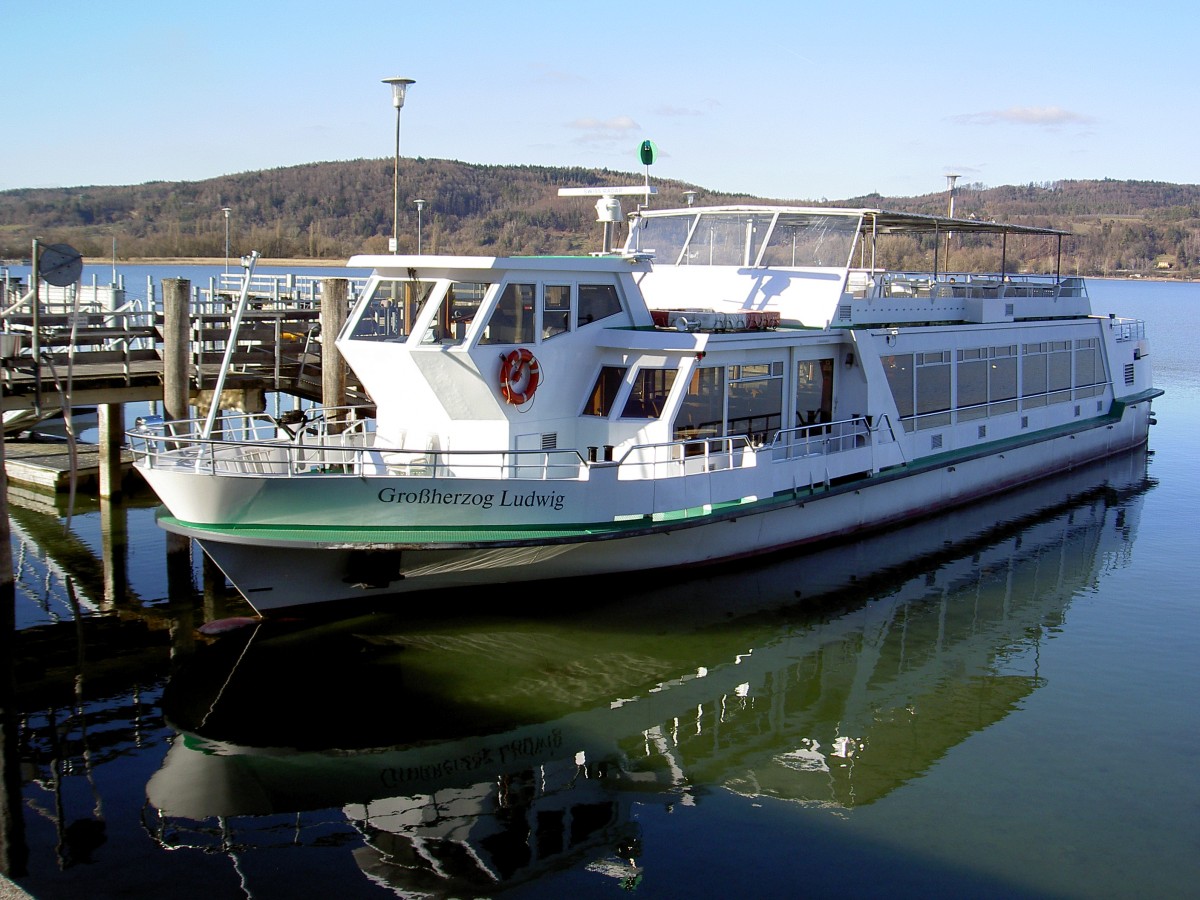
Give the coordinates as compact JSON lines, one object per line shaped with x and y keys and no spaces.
{"x":735,"y":380}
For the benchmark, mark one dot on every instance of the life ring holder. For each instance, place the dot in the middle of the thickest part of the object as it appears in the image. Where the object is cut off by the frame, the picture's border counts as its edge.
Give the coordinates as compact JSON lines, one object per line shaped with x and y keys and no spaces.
{"x":520,"y":374}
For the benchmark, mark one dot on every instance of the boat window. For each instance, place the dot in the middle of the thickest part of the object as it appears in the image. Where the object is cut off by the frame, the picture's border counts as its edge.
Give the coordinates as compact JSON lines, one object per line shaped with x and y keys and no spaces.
{"x":512,"y":321}
{"x":391,"y":310}
{"x":1089,"y":369}
{"x":814,"y":391}
{"x":649,"y":394}
{"x":729,"y":239}
{"x":604,"y":391}
{"x":1002,"y":379}
{"x":811,"y":240}
{"x":665,"y":235}
{"x":899,"y":371}
{"x":971,"y":373}
{"x":755,"y":401}
{"x":596,"y":302}
{"x":986,"y":381}
{"x":933,"y":388}
{"x":556,"y":310}
{"x":1058,"y":373}
{"x":455,"y":313}
{"x":702,"y":409}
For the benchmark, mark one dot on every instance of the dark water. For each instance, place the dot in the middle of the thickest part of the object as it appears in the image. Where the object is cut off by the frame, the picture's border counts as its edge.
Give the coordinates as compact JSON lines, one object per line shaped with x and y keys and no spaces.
{"x":997,"y":702}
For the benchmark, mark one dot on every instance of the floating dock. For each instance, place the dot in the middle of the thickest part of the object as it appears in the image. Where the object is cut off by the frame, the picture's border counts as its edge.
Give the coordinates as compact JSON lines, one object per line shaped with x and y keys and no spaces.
{"x":46,"y":464}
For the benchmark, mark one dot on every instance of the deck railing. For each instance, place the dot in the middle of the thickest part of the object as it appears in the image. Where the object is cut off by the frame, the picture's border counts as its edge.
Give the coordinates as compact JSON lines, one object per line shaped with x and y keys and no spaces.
{"x":1127,"y":329}
{"x":338,"y":442}
{"x":967,"y":284}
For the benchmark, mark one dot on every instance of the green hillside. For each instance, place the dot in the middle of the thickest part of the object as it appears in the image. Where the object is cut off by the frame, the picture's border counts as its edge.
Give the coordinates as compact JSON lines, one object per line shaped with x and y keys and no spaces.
{"x":335,"y":209}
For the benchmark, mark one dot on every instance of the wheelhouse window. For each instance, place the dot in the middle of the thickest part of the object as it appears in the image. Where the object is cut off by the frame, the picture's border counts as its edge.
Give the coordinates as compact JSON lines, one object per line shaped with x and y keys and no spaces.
{"x":513,"y":321}
{"x":596,"y":302}
{"x":455,"y":313}
{"x":648,"y":397}
{"x":392,"y":309}
{"x":556,"y":310}
{"x":604,"y":391}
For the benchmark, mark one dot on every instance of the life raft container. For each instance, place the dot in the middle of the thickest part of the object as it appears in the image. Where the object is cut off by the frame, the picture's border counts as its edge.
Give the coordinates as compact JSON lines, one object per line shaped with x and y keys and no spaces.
{"x":519,"y":376}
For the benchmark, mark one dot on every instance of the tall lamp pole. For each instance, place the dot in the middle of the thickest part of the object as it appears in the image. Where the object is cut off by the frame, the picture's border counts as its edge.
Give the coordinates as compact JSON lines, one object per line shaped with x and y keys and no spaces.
{"x":950,"y":179}
{"x":399,"y":86}
{"x":420,"y":206}
{"x":225,"y":209}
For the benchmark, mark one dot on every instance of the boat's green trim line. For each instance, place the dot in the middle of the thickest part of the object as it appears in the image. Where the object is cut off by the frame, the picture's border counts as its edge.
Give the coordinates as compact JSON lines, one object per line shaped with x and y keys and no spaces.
{"x":462,"y":538}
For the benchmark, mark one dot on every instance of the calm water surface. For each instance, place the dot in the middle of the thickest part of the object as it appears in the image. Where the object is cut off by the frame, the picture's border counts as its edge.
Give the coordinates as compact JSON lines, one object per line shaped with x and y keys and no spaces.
{"x":997,"y":702}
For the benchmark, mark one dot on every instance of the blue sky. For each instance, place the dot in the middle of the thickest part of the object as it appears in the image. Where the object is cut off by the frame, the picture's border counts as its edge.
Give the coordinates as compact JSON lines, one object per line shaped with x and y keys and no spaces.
{"x":769,"y":98}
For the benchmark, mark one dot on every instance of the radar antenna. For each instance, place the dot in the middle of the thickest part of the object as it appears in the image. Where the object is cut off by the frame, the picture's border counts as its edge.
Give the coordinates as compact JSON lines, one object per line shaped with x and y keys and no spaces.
{"x":608,"y":207}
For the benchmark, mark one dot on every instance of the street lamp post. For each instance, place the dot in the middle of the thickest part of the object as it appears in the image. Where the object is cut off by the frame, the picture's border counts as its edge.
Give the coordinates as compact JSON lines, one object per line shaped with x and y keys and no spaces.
{"x":950,"y":180}
{"x":226,"y":210}
{"x":399,"y":86}
{"x":420,"y":206}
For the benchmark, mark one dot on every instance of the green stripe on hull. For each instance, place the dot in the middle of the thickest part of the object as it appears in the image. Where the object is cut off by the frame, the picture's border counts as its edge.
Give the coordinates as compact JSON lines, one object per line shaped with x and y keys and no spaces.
{"x":462,"y":537}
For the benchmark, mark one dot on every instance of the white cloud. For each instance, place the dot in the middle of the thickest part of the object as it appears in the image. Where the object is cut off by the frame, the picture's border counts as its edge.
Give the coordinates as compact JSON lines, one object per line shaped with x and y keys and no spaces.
{"x":671,"y":112}
{"x":602,"y":130}
{"x":1042,"y":116}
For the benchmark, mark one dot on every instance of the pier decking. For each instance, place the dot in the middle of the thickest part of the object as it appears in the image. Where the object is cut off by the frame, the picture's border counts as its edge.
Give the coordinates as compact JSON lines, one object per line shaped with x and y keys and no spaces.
{"x":46,"y":464}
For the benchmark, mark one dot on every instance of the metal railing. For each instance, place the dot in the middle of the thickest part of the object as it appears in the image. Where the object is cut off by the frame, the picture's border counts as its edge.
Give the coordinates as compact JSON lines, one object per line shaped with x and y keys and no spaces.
{"x":827,"y":438}
{"x":1127,"y":329}
{"x":967,"y":284}
{"x":291,"y":290}
{"x":327,"y":442}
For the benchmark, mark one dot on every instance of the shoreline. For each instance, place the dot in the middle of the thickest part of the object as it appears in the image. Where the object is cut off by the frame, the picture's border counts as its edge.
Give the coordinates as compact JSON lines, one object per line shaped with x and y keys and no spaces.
{"x":338,"y":262}
{"x":342,"y":262}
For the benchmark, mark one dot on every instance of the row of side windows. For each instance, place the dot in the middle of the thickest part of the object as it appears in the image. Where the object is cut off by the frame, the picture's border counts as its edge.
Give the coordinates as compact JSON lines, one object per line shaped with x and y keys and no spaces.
{"x":990,"y":381}
{"x":720,"y":400}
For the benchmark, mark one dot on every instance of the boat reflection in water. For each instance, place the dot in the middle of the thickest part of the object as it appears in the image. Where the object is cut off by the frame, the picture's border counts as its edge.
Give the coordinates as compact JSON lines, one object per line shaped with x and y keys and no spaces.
{"x":476,"y":751}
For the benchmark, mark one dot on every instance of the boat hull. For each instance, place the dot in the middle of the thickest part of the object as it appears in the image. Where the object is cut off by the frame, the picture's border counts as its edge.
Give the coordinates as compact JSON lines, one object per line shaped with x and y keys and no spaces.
{"x":274,"y":574}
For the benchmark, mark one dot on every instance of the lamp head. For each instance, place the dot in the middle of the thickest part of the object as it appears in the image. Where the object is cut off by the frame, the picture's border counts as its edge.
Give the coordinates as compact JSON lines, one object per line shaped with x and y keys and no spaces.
{"x":399,"y":86}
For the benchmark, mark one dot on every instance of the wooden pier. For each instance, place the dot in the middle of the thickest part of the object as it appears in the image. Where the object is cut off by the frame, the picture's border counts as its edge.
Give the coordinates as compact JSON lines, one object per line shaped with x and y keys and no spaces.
{"x":46,"y":464}
{"x":107,"y":352}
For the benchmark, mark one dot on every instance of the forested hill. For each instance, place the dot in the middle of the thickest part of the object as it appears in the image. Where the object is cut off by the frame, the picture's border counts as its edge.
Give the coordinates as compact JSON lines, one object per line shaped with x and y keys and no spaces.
{"x":335,"y":209}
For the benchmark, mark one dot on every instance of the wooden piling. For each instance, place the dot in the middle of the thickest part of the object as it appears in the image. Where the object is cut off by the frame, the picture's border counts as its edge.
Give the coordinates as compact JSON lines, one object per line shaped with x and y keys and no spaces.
{"x":111,"y":418}
{"x":114,"y":545}
{"x":333,"y":370}
{"x":13,"y":851}
{"x":176,"y":358}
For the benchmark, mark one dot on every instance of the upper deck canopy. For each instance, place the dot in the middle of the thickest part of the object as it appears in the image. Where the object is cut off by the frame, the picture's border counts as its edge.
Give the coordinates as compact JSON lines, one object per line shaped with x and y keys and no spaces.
{"x":786,"y":235}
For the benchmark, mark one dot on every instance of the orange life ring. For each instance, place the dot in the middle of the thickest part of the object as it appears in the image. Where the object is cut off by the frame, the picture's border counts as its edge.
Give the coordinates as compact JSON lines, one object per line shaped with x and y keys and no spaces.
{"x":519,"y":376}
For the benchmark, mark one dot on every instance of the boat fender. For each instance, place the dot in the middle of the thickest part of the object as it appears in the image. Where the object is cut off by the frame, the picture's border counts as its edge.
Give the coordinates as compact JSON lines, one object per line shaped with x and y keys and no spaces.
{"x":519,"y":376}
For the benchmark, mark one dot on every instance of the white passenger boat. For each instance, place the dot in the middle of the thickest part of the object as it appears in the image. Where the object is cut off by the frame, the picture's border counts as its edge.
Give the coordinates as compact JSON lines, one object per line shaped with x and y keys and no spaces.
{"x":735,"y":380}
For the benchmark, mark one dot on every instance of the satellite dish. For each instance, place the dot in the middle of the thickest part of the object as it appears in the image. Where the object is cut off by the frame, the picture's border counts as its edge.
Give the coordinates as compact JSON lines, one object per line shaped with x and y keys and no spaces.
{"x":60,"y":265}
